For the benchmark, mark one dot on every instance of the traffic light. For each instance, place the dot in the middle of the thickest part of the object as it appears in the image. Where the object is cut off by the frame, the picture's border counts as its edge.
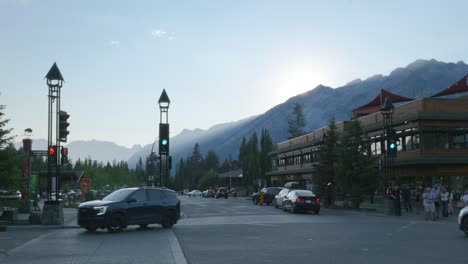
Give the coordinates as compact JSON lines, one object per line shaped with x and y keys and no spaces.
{"x":63,"y":126}
{"x":64,"y":156}
{"x":52,"y":155}
{"x":392,"y":141}
{"x":169,"y":162}
{"x":163,"y":139}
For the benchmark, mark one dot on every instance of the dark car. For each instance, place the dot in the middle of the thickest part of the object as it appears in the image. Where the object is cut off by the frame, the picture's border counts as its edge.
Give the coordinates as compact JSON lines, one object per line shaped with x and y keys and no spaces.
{"x":222,"y":192}
{"x":209,"y":193}
{"x":131,"y":206}
{"x":301,"y":200}
{"x":268,"y":194}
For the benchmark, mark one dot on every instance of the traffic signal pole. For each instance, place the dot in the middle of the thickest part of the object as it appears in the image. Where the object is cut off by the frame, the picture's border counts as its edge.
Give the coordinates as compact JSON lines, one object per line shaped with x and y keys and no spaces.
{"x":163,"y":137}
{"x":52,"y":213}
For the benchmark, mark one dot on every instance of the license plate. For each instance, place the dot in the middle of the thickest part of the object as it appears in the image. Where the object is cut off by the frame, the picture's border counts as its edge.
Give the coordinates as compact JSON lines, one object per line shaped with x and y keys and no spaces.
{"x":308,"y":201}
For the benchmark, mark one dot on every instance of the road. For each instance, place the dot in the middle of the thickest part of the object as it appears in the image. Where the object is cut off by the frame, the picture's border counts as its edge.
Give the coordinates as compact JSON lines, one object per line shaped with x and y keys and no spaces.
{"x":236,"y":231}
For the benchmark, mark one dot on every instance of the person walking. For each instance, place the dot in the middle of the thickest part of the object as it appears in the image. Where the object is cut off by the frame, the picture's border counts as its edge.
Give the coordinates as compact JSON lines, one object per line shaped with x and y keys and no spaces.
{"x":429,"y":207}
{"x":435,"y":193}
{"x":406,"y":195}
{"x":444,"y":200}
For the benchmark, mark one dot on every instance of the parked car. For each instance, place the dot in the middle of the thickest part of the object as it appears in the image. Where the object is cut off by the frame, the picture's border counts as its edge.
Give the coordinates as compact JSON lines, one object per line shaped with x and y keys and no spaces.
{"x":463,"y":220}
{"x":268,"y":194}
{"x":292,"y":185}
{"x":10,"y":195}
{"x":222,"y":192}
{"x":301,"y":200}
{"x":209,"y":193}
{"x":131,"y":206}
{"x":278,"y":199}
{"x":195,"y":193}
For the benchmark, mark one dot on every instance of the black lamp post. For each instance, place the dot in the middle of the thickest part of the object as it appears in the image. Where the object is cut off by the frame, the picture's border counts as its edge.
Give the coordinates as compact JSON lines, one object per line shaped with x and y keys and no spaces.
{"x":55,"y":83}
{"x":387,"y":109}
{"x":53,"y":210}
{"x":164,"y":103}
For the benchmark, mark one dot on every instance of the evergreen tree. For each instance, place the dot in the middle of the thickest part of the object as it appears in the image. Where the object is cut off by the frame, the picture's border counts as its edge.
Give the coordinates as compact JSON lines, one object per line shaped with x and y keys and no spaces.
{"x":139,"y":170}
{"x":324,"y":176}
{"x":254,"y":162}
{"x":10,"y":160}
{"x":211,"y":160}
{"x":195,"y":165}
{"x":266,"y":146}
{"x":357,"y":174}
{"x":297,"y":123}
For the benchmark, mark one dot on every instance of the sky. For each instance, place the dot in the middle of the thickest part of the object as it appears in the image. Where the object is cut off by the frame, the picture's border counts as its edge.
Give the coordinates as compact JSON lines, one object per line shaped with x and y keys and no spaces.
{"x":219,"y":61}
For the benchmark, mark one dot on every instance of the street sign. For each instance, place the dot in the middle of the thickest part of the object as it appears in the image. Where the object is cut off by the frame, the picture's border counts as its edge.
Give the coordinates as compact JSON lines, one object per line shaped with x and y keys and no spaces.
{"x":85,"y":183}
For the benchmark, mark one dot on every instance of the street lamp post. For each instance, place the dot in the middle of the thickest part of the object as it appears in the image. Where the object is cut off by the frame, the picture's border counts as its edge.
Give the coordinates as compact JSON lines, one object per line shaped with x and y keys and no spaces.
{"x":386,"y":110}
{"x":164,"y":103}
{"x":53,"y":210}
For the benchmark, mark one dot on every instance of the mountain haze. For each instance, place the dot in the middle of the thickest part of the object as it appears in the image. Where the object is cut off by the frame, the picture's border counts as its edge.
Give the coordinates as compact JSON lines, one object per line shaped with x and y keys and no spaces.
{"x":102,"y":151}
{"x":422,"y":78}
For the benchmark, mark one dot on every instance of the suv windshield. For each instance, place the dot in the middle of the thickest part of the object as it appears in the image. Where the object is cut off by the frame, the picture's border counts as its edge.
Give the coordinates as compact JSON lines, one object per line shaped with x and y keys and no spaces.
{"x":118,"y":195}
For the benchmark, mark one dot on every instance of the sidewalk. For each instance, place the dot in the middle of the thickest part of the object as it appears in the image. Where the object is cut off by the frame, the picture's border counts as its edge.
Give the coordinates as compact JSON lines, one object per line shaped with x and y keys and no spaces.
{"x":69,"y":221}
{"x":417,"y":214}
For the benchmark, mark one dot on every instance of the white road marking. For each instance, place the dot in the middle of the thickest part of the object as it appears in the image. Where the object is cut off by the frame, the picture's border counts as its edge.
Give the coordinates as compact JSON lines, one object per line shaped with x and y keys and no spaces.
{"x":177,"y":253}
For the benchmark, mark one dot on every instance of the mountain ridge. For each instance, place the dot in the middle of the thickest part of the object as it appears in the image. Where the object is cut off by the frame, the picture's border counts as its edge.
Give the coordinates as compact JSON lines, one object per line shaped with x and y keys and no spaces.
{"x":421,"y":78}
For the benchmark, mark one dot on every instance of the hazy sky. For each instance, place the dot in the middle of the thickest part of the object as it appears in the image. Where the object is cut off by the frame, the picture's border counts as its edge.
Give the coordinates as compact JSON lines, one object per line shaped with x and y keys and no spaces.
{"x":219,"y":61}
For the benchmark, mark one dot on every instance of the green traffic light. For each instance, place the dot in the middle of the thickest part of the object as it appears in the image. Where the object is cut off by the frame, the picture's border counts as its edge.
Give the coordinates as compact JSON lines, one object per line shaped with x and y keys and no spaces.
{"x":392,"y":145}
{"x":164,"y":142}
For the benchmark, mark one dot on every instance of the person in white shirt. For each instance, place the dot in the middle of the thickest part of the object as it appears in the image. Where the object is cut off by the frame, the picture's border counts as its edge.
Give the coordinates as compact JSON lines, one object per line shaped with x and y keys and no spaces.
{"x":428,"y":202}
{"x":444,"y":200}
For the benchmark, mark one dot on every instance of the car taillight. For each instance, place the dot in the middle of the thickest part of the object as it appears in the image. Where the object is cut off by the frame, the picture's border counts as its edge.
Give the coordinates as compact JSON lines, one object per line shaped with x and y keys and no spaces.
{"x":299,"y":199}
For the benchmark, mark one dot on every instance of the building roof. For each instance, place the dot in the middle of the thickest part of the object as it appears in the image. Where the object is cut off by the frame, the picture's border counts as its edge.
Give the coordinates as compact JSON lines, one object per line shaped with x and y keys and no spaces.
{"x":374,"y":105}
{"x":459,"y":87}
{"x":234,"y":174}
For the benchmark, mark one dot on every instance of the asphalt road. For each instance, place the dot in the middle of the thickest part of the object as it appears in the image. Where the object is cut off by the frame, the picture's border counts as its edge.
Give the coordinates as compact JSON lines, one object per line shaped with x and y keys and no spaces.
{"x":236,"y":231}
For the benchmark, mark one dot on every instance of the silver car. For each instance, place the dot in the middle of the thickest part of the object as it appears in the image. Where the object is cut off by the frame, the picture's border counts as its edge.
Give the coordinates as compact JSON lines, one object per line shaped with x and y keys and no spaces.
{"x":463,"y":220}
{"x":279,"y":198}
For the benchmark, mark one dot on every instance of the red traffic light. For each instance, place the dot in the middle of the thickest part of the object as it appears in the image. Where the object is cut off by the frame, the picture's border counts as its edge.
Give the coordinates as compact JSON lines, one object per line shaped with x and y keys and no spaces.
{"x":64,"y":116}
{"x":52,"y":151}
{"x":65,"y":151}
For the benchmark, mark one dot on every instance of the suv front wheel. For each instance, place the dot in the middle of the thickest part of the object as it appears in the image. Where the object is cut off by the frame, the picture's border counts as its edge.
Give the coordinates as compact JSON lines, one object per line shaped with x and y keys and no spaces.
{"x":117,"y":224}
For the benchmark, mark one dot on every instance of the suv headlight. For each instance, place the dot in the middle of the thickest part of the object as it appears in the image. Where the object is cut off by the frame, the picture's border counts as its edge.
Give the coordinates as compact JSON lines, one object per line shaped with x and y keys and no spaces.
{"x":100,"y":210}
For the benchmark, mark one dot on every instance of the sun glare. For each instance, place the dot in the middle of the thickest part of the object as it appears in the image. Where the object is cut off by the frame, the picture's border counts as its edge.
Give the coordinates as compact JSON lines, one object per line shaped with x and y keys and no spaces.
{"x":296,"y":81}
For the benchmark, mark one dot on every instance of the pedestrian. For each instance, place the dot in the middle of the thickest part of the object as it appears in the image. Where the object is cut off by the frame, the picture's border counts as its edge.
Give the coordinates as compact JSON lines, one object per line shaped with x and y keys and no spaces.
{"x":418,"y":200}
{"x":406,"y":195}
{"x":450,"y":203}
{"x":435,"y":192}
{"x":444,"y":200}
{"x":396,"y":196}
{"x":429,"y":207}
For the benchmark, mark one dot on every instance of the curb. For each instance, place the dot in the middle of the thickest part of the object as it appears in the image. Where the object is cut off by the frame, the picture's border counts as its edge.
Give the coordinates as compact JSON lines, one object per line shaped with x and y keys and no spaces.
{"x":40,"y":227}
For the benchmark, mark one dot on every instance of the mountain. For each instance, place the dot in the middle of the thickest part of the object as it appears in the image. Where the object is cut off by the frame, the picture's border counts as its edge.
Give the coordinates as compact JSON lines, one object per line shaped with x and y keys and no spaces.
{"x":419,"y":79}
{"x":102,"y":151}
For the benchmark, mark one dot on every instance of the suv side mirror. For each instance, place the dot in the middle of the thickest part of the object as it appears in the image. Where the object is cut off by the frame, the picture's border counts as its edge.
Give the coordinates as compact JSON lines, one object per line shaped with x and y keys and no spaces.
{"x":131,"y":200}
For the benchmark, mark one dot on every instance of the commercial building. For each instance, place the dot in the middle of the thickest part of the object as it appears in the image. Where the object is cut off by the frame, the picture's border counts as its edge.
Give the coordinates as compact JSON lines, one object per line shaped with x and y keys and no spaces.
{"x":432,"y":148}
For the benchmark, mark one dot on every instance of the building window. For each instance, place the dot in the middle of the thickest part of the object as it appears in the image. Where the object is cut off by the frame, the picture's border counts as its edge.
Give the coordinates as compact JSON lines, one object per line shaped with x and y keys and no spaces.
{"x":458,"y":139}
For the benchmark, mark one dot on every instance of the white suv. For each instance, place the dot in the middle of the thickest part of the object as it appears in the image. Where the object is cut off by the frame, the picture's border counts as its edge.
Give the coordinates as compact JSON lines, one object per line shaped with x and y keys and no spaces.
{"x":463,"y":220}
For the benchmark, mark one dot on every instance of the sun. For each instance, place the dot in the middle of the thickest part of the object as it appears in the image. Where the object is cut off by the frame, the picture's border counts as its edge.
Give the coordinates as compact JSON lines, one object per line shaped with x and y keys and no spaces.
{"x":296,"y":81}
